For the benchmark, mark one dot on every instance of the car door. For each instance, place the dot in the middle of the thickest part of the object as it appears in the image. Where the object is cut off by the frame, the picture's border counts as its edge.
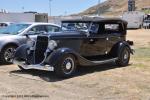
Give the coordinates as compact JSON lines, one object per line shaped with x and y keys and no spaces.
{"x":37,"y":30}
{"x":51,"y":28}
{"x":114,"y":31}
{"x":95,"y":44}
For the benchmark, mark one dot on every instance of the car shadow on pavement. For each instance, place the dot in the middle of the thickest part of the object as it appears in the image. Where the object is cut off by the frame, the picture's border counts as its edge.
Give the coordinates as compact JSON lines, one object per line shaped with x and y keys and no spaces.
{"x":92,"y":69}
{"x":51,"y":77}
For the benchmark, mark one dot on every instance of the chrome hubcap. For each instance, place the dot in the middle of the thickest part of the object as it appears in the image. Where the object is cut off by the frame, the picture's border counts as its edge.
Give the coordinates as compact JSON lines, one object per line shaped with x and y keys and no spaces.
{"x":126,"y":55}
{"x":8,"y":55}
{"x":68,"y":66}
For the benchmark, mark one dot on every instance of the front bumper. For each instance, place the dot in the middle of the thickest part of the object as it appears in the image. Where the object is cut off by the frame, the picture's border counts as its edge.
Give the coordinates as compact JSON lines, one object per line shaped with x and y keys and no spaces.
{"x":37,"y":66}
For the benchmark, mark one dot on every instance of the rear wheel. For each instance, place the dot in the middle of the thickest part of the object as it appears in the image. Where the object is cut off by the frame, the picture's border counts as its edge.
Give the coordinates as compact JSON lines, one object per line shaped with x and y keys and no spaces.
{"x":7,"y":54}
{"x":66,"y":66}
{"x":124,"y":57}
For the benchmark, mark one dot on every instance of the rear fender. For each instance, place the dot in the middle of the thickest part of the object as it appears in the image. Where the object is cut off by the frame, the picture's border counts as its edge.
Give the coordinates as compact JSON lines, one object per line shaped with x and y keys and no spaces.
{"x":123,"y":44}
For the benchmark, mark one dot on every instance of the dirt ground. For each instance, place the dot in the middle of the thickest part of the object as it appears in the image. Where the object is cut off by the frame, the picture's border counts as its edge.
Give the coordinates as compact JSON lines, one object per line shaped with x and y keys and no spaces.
{"x":104,"y":82}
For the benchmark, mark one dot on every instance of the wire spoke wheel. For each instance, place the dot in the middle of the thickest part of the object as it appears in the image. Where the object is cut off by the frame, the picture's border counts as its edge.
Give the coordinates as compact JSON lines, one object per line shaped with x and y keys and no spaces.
{"x":68,"y":65}
{"x":124,"y":57}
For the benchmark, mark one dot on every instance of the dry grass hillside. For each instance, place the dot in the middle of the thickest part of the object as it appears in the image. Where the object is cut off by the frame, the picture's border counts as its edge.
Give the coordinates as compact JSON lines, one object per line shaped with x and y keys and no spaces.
{"x":115,"y":7}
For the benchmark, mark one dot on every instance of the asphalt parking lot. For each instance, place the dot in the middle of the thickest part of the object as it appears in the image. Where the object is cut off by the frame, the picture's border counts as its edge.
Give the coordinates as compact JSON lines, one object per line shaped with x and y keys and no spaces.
{"x":104,"y":82}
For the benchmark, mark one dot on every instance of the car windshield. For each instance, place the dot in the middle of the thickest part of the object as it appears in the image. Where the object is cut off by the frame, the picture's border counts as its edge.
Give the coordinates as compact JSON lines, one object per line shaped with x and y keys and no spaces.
{"x":75,"y":26}
{"x":14,"y":29}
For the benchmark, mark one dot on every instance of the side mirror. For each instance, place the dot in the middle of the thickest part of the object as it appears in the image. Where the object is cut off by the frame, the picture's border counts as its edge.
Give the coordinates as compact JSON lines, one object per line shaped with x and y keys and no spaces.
{"x":29,"y":33}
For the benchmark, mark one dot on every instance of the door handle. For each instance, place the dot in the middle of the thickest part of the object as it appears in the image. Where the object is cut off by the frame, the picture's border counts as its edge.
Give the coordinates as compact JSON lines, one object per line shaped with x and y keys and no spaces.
{"x":107,"y":38}
{"x":91,"y":41}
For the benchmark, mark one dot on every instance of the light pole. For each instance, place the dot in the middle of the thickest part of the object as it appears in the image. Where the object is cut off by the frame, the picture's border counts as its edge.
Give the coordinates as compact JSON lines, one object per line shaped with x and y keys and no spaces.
{"x":65,"y":13}
{"x":23,"y":8}
{"x":50,"y":7}
{"x":99,"y":1}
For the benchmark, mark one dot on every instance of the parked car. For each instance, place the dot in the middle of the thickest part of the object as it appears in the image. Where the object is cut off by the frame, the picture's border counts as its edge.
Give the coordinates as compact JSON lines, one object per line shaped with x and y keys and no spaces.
{"x":93,"y":42}
{"x":5,"y":24}
{"x":13,"y":36}
{"x":146,"y":24}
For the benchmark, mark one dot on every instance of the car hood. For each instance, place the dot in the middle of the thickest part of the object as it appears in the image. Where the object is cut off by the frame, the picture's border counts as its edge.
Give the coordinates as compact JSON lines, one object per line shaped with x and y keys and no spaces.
{"x":67,"y":35}
{"x":6,"y":36}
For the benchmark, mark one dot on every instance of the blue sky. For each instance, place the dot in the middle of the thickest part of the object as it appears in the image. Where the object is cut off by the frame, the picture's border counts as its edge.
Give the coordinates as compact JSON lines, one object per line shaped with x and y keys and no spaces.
{"x":59,"y":7}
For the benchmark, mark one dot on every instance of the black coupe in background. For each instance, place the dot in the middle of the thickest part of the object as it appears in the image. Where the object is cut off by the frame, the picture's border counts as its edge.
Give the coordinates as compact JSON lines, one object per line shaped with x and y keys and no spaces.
{"x":85,"y":42}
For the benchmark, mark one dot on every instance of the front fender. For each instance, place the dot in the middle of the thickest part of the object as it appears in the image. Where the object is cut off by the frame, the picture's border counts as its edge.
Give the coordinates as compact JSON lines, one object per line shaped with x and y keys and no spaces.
{"x":56,"y":55}
{"x":125,"y":43}
{"x":10,"y":40}
{"x":21,"y":52}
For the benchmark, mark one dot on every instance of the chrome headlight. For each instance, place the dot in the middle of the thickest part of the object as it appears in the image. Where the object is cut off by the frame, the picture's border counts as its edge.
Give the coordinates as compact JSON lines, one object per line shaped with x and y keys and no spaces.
{"x":30,"y":43}
{"x":52,"y":44}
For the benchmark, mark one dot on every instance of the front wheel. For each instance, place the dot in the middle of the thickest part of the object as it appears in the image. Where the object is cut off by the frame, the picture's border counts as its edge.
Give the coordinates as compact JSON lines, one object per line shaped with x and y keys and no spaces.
{"x":123,"y":57}
{"x":7,"y":54}
{"x":66,"y":66}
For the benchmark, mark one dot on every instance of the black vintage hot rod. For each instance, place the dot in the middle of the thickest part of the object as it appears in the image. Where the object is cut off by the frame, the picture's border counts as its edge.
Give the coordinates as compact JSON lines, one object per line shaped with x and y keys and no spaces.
{"x":85,"y":42}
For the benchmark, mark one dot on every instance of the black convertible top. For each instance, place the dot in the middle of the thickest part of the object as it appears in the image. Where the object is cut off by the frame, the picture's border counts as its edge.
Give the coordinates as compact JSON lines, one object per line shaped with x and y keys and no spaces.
{"x":95,"y":19}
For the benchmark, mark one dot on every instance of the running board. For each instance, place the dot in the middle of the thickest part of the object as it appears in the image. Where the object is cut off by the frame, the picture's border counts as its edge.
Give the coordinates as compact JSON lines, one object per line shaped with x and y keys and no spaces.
{"x":105,"y":61}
